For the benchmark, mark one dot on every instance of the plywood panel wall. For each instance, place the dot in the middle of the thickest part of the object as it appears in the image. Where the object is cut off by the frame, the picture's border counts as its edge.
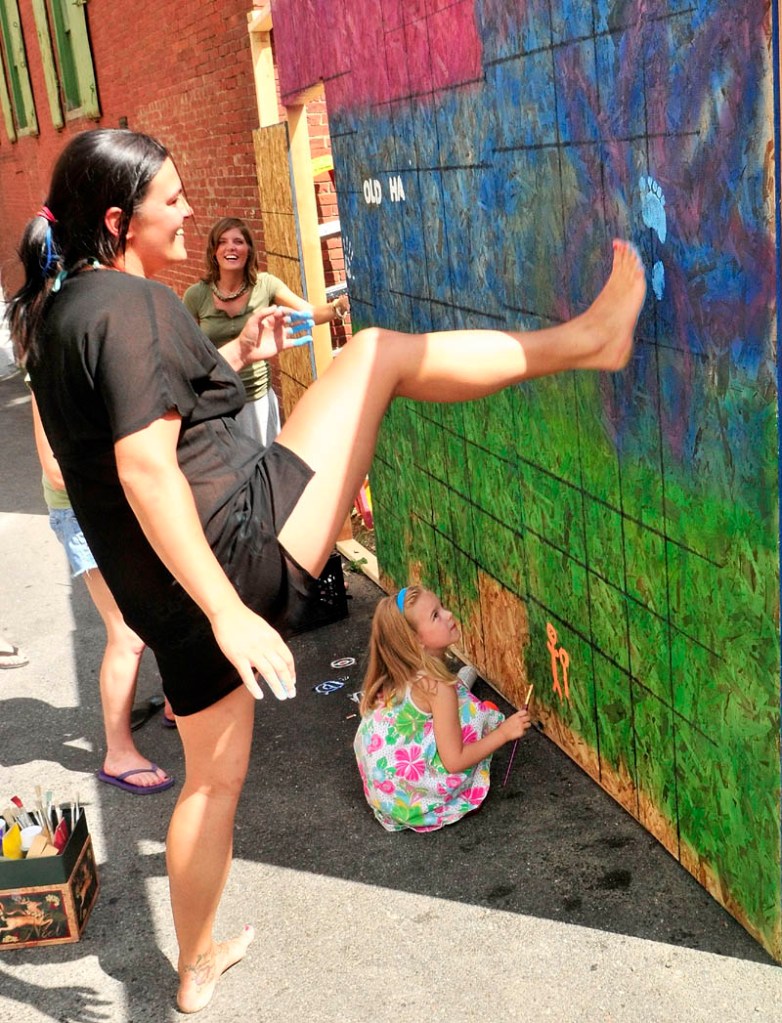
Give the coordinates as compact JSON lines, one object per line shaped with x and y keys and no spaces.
{"x":282,"y":250}
{"x":613,"y":539}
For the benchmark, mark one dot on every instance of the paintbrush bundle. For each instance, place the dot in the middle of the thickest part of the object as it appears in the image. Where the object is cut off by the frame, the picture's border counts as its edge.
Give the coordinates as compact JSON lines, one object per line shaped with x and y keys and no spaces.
{"x":38,"y":829}
{"x":48,"y":876}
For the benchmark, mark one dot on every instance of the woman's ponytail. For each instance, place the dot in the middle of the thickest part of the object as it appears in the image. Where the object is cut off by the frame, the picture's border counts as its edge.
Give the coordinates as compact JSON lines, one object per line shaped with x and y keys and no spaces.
{"x":40,"y":258}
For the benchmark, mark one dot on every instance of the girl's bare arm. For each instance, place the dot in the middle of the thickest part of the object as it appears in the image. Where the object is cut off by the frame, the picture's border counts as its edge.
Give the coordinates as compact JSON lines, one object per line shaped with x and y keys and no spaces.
{"x":456,"y":755}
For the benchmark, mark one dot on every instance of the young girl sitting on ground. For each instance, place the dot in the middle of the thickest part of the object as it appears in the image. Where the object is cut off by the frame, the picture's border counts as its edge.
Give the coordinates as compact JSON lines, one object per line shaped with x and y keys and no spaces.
{"x":425,"y":743}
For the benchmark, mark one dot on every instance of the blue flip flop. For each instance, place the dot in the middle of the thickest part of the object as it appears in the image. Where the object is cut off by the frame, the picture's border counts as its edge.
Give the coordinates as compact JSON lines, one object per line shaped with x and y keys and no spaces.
{"x":138,"y":790}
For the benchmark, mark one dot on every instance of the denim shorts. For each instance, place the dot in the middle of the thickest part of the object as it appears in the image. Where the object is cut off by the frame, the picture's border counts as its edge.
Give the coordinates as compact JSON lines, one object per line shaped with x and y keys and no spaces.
{"x":68,"y":532}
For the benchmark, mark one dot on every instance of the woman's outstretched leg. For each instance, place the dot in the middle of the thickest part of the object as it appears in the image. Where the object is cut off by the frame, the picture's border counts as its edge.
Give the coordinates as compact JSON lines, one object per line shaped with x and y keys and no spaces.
{"x":118,"y":674}
{"x":334,"y":426}
{"x":199,"y":847}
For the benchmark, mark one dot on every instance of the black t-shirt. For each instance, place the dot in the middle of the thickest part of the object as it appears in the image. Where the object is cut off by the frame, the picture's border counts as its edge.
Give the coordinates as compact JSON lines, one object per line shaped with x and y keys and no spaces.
{"x":117,"y":353}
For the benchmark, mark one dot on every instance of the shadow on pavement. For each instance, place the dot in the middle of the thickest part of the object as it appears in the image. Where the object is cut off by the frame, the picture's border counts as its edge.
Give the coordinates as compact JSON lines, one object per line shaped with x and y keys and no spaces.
{"x":550,"y":844}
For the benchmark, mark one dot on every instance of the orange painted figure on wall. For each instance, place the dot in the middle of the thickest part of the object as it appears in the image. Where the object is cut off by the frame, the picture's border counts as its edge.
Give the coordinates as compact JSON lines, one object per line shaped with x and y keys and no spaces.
{"x":558,"y":656}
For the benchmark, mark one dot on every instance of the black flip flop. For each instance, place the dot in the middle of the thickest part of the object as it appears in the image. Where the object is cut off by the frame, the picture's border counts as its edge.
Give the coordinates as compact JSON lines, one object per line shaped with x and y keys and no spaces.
{"x":141,"y":714}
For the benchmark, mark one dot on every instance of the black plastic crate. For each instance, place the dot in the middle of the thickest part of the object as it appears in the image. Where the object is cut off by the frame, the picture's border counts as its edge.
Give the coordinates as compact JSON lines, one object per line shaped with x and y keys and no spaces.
{"x":331,"y":602}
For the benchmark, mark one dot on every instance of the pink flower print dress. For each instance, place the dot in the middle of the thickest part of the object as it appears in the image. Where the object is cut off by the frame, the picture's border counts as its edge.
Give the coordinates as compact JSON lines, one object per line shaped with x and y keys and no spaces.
{"x":404,"y":779}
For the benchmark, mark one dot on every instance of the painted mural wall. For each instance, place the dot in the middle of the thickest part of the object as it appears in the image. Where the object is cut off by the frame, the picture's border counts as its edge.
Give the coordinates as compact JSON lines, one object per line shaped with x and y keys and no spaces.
{"x":613,"y":539}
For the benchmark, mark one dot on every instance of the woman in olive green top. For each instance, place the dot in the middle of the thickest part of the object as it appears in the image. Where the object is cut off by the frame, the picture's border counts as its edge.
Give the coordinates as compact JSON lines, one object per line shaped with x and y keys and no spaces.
{"x":222,"y":302}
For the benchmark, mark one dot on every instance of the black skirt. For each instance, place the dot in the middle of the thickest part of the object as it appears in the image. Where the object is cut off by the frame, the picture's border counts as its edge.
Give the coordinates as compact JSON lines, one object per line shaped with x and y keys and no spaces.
{"x":194,"y":670}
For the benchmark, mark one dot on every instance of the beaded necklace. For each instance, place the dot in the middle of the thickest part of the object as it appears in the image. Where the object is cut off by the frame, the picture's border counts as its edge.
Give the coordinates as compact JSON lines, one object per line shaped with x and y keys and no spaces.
{"x":228,"y":298}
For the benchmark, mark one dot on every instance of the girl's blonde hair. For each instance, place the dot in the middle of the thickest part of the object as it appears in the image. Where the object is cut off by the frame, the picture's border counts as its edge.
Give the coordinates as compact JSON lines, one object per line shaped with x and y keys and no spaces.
{"x":396,"y":657}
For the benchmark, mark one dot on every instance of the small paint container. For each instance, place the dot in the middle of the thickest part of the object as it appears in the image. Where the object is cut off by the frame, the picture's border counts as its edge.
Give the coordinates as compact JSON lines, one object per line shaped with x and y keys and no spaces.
{"x":28,"y":834}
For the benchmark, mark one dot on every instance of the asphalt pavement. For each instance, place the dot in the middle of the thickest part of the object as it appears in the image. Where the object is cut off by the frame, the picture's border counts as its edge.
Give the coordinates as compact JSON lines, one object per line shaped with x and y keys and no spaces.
{"x":550,"y":903}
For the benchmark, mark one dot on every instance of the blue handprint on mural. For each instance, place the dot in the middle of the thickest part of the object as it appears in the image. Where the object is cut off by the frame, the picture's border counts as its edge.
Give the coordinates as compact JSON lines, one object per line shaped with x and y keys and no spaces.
{"x":653,"y":213}
{"x":653,"y":207}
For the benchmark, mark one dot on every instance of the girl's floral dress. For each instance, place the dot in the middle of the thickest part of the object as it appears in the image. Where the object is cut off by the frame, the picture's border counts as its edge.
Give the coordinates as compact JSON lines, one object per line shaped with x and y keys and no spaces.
{"x":404,"y":780}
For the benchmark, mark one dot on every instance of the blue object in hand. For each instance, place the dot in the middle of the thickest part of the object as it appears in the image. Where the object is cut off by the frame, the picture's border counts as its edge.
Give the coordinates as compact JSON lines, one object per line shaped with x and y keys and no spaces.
{"x":300,"y":326}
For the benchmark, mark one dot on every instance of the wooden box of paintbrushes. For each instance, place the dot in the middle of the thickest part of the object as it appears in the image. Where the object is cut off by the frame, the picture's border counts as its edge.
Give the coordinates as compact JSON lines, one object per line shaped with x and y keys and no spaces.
{"x":47,"y":899}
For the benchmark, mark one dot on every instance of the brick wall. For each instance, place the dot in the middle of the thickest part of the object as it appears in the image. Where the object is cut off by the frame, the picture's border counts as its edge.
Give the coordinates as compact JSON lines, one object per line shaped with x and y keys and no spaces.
{"x":181,"y":72}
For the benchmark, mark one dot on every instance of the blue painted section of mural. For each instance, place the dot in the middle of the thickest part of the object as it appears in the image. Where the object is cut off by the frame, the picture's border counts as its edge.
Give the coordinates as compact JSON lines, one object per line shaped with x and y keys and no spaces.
{"x":638,"y":514}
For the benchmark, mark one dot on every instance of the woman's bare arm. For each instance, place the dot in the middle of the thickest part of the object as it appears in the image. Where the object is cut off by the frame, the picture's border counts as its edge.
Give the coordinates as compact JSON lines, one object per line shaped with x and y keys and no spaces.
{"x":161,"y":499}
{"x":320,"y":313}
{"x":49,"y":464}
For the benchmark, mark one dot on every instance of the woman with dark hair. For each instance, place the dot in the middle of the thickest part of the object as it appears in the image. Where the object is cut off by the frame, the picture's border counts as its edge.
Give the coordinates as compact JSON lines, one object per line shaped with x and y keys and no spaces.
{"x":224,"y":299}
{"x":210,"y":544}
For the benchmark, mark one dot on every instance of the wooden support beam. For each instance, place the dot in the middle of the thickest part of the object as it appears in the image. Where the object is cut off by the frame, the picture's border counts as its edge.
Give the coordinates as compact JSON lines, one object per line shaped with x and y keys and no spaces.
{"x":259,"y":23}
{"x":309,"y":234}
{"x":260,"y":18}
{"x":364,"y":559}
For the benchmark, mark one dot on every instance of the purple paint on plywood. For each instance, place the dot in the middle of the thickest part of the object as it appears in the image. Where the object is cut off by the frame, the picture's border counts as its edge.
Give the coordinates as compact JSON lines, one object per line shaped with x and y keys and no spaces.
{"x":360,"y":61}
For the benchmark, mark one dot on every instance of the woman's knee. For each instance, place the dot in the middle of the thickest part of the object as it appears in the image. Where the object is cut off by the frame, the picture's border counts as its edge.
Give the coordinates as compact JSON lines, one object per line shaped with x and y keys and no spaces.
{"x":223,"y":785}
{"x":364,"y":343}
{"x":217,"y":743}
{"x":123,"y":641}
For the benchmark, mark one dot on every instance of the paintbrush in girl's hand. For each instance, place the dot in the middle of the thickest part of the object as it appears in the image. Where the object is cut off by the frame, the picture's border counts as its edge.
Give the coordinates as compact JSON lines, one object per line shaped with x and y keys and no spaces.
{"x":527,"y":698}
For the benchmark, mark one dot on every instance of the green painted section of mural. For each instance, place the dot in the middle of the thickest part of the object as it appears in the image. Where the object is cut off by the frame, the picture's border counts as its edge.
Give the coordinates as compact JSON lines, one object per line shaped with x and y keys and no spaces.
{"x":673,"y":653}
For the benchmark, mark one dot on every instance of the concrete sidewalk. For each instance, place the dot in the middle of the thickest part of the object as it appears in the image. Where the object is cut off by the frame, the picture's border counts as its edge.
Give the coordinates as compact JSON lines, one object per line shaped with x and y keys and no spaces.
{"x":548,"y":904}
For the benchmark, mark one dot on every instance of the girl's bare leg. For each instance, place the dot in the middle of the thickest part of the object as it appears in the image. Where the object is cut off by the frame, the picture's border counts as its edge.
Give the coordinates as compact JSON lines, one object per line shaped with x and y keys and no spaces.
{"x":118,"y":675}
{"x":334,"y":426}
{"x":200,"y":841}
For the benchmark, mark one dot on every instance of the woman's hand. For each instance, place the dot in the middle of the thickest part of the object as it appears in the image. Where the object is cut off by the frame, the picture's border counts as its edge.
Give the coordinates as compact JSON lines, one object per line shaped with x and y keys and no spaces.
{"x":516,"y":725}
{"x":267,"y":333}
{"x":270,"y":331}
{"x":341,"y":307}
{"x":251,"y":644}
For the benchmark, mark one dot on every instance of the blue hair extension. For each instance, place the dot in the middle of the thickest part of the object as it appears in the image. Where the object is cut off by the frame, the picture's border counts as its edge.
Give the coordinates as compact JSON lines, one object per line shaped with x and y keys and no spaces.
{"x":51,"y":254}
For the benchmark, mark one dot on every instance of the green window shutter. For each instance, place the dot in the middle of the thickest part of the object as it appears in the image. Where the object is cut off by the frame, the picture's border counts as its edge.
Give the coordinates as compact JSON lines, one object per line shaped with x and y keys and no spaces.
{"x":68,"y":78}
{"x":47,"y":57}
{"x":82,"y":55}
{"x":20,"y":60}
{"x":5,"y":31}
{"x":77,"y":73}
{"x":5,"y":104}
{"x":21,"y":91}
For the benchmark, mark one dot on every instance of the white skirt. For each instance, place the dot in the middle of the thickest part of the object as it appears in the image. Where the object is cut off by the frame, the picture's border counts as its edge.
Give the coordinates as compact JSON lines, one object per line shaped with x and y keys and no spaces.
{"x":261,"y":418}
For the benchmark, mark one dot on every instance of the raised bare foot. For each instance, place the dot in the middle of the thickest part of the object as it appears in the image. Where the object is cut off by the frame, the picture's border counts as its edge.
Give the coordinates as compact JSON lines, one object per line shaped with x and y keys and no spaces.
{"x":610,"y":320}
{"x":197,"y":980}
